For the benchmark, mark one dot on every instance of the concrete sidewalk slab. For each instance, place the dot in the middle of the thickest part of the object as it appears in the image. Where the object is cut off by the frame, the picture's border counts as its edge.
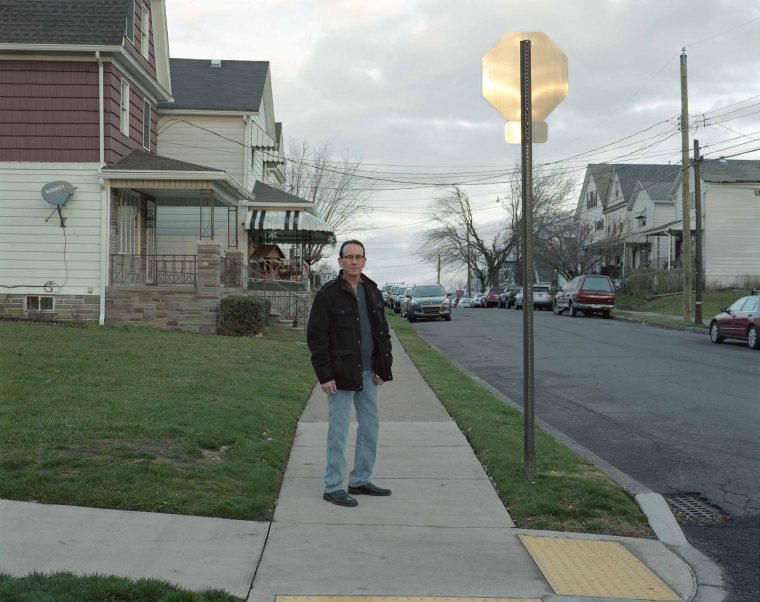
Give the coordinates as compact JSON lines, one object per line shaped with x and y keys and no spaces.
{"x":415,"y":502}
{"x":403,"y":434}
{"x":395,"y":561}
{"x":189,"y":551}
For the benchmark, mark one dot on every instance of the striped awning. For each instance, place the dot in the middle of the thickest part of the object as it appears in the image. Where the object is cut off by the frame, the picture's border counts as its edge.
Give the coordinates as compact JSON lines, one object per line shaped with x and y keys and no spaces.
{"x":290,"y":224}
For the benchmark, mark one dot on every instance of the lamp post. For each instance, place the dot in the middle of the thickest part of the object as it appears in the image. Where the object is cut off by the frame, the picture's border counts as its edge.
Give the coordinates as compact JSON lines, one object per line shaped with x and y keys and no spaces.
{"x":510,"y":69}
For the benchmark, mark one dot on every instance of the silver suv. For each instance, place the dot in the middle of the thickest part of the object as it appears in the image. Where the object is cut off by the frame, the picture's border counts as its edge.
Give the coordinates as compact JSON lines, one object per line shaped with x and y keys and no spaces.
{"x":428,"y":301}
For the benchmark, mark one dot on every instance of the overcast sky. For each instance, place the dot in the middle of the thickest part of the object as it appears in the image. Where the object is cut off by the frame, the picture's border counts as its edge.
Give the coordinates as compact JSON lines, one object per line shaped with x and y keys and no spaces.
{"x":398,"y":82}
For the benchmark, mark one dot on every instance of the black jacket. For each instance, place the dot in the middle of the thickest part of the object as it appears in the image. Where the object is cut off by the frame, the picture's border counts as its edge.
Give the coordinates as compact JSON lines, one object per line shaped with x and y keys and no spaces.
{"x":334,"y":334}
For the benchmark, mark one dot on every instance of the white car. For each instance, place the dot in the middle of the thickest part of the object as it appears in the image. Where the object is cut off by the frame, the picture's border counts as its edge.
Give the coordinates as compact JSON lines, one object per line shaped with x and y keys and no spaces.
{"x":479,"y":300}
{"x":465,"y":302}
{"x":542,"y":299}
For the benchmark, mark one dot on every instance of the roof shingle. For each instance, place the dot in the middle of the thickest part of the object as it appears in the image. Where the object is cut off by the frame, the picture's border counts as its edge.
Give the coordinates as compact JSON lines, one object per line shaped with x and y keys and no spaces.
{"x":234,"y":86}
{"x":72,"y":22}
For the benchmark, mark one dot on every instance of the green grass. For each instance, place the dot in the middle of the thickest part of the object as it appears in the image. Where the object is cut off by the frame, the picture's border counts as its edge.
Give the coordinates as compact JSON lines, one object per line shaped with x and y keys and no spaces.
{"x":139,"y":419}
{"x":569,"y":493}
{"x":66,"y":587}
{"x":712,"y":301}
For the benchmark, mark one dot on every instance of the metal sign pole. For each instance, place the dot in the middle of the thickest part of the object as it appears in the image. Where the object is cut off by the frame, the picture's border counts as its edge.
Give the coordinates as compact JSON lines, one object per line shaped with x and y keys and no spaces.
{"x":527,"y":236}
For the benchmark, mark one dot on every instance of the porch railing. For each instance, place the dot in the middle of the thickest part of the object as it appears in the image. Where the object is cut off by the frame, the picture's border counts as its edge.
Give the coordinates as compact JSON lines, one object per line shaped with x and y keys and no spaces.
{"x":289,"y":299}
{"x":153,"y":270}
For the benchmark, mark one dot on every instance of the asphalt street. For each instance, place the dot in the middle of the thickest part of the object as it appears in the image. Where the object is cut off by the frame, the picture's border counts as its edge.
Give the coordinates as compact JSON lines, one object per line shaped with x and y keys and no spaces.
{"x":668,"y":408}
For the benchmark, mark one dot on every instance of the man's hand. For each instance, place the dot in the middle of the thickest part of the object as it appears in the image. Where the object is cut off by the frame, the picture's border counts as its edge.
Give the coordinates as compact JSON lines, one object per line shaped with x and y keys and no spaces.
{"x":329,"y":387}
{"x":377,"y":380}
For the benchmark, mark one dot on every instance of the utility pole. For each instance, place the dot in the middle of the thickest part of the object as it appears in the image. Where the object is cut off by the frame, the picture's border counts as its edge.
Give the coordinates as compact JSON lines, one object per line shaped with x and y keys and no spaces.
{"x":439,"y":269}
{"x":685,"y":196}
{"x":469,"y":259}
{"x":698,"y":235}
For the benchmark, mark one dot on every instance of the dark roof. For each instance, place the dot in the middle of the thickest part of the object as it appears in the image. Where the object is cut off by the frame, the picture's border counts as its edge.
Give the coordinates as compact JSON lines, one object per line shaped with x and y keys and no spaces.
{"x":75,"y":22}
{"x":601,"y":173}
{"x":235,"y":86}
{"x":140,"y":160}
{"x":729,"y":171}
{"x":629,"y":174}
{"x":264,"y":193}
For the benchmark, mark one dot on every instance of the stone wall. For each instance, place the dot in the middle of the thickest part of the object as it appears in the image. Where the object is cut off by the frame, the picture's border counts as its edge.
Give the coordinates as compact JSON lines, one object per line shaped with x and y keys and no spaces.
{"x":79,"y":309}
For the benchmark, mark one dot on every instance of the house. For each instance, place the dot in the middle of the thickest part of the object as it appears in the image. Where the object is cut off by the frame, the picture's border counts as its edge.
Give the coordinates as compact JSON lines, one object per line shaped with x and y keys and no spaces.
{"x":632,"y":217}
{"x":236,"y":132}
{"x":610,"y":196}
{"x":81,"y":84}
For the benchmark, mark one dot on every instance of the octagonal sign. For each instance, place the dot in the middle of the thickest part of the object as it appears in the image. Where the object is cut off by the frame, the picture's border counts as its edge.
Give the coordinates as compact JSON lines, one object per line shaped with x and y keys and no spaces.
{"x":501,"y":81}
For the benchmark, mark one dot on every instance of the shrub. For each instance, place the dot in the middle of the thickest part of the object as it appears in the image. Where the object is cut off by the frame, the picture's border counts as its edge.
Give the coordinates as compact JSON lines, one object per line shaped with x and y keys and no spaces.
{"x":647,"y":283}
{"x":243,"y":316}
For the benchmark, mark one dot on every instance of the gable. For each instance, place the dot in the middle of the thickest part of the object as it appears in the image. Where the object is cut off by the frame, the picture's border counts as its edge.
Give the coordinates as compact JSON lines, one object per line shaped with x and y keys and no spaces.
{"x":196,"y":86}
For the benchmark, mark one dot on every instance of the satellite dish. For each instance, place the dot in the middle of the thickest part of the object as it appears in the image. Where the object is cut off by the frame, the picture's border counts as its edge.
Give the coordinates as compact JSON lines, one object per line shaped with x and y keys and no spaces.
{"x":57,"y":193}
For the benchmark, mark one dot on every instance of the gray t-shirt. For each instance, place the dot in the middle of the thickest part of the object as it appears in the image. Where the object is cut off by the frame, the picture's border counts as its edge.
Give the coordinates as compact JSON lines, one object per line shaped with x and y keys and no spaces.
{"x":368,"y":341}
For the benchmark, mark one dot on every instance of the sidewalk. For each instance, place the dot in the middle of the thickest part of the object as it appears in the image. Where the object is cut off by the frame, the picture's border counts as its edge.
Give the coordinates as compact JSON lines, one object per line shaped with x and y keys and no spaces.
{"x":444,"y":532}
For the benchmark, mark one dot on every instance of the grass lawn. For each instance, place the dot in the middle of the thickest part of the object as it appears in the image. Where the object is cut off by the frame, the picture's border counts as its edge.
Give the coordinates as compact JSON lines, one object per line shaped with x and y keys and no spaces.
{"x":140,"y":419}
{"x":66,"y":587}
{"x":569,"y":493}
{"x":671,"y":304}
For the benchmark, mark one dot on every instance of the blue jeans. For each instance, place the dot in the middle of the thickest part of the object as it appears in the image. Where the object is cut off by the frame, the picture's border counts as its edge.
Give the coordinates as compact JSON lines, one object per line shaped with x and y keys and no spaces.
{"x":368,"y":419}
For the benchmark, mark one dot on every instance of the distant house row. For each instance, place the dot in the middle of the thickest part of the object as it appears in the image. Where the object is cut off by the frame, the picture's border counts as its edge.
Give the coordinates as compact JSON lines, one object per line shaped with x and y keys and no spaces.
{"x":163,"y":163}
{"x":630,"y":216}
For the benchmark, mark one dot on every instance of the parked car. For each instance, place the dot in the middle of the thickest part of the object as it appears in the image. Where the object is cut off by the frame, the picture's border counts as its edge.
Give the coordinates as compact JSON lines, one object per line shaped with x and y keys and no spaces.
{"x":542,"y":299}
{"x":392,"y":295}
{"x":404,"y":300}
{"x":477,"y":300}
{"x":507,"y":297}
{"x":741,"y":320}
{"x":491,"y":296}
{"x":428,"y":301}
{"x":465,"y":302}
{"x":398,"y":302}
{"x":387,"y":291}
{"x":455,"y":302}
{"x":588,"y":293}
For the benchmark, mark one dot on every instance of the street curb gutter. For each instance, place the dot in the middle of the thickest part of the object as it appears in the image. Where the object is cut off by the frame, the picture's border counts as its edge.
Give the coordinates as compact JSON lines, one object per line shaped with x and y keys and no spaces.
{"x":708,"y":579}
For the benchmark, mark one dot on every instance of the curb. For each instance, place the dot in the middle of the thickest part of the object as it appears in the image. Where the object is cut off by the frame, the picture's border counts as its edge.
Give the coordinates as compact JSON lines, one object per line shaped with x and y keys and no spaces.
{"x":707,"y":576}
{"x":642,"y":322}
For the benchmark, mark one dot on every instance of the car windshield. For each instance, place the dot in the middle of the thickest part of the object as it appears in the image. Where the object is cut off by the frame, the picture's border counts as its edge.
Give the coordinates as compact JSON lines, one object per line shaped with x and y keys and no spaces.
{"x":495,"y":291}
{"x":432,"y":290}
{"x":597,"y":284}
{"x":737,"y":304}
{"x":540,"y":289}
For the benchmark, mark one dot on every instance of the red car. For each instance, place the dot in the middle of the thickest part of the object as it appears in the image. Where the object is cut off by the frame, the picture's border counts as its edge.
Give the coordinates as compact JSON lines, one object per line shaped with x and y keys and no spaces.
{"x":739,"y":321}
{"x":589,"y":294}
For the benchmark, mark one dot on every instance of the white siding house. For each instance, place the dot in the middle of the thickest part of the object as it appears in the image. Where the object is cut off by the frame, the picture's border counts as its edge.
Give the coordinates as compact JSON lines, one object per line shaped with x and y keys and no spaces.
{"x":234,"y":131}
{"x":37,"y":255}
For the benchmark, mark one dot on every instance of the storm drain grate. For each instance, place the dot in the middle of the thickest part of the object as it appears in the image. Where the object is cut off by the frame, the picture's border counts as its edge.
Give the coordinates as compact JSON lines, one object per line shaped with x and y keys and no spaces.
{"x":693,"y":509}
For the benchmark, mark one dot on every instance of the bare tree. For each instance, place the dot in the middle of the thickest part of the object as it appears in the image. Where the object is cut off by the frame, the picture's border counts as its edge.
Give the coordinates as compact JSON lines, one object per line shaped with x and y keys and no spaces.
{"x":552,"y":199}
{"x":457,"y":241}
{"x":564,"y":245}
{"x":340,"y":193}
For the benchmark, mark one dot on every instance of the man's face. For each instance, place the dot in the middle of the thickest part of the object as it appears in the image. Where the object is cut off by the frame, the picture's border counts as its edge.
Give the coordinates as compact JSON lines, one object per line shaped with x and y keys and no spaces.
{"x":352,"y":261}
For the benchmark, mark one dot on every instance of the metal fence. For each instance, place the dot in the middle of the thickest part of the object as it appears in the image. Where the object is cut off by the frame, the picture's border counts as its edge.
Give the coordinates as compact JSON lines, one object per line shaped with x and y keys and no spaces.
{"x":153,"y":270}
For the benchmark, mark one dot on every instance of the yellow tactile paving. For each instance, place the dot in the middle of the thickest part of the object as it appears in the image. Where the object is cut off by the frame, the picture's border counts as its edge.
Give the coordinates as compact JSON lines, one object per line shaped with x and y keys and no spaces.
{"x":602,"y":569}
{"x":395,"y":599}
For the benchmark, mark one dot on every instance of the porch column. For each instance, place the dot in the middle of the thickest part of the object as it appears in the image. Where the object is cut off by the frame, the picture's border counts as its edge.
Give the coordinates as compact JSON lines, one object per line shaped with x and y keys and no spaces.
{"x":235,"y":274}
{"x":209,"y":264}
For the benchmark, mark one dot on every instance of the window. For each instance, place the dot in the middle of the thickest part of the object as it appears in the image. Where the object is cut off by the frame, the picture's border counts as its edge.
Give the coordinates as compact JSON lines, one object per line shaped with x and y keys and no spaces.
{"x":128,"y":223}
{"x":129,"y":31}
{"x":124,"y":108}
{"x":146,"y":124}
{"x":38,"y":303}
{"x":591,"y":199}
{"x":599,"y":224}
{"x":145,"y":32}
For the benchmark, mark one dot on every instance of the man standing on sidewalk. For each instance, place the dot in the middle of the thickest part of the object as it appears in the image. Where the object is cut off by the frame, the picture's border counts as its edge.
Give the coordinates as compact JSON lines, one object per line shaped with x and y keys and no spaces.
{"x":350,"y":346}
